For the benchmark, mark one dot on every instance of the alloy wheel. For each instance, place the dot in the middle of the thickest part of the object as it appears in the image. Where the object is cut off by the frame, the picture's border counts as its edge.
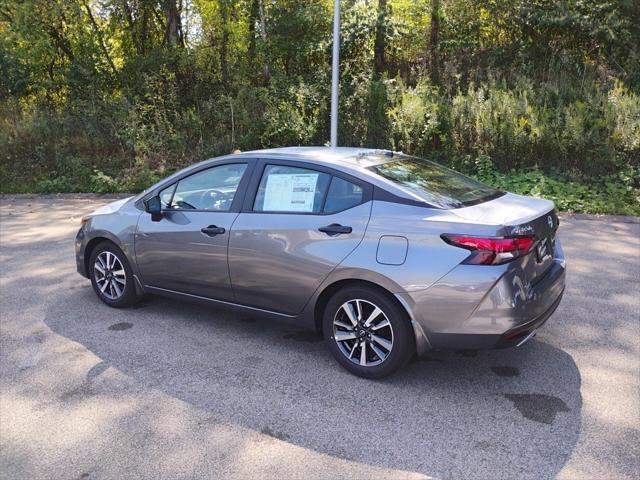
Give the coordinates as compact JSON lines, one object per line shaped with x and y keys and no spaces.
{"x":363,"y":332}
{"x":110,"y":275}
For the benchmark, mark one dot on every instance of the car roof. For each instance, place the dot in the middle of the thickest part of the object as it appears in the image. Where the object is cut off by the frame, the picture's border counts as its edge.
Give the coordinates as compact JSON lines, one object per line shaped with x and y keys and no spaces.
{"x":346,"y":156}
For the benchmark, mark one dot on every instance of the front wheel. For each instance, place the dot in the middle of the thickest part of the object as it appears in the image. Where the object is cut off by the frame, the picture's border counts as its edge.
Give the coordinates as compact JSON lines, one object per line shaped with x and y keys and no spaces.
{"x":111,"y":276}
{"x":367,"y":332}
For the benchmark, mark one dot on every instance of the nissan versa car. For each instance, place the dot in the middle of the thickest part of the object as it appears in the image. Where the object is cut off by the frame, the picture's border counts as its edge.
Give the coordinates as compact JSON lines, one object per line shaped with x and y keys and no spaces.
{"x":386,"y":254}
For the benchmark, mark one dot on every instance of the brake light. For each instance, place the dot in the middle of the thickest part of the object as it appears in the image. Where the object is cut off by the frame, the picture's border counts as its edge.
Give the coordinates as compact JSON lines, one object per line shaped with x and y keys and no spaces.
{"x":491,"y":251}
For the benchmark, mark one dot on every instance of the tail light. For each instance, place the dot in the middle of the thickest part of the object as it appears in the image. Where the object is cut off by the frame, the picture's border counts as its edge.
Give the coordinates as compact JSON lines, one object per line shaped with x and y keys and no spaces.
{"x":491,"y":251}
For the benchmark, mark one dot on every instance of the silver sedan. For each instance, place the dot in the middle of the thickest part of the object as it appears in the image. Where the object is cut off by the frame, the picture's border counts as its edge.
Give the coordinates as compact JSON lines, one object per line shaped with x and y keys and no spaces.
{"x":387,"y":255}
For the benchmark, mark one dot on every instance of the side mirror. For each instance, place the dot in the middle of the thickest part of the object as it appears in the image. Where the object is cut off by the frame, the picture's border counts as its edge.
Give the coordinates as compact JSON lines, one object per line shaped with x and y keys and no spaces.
{"x":154,"y":207}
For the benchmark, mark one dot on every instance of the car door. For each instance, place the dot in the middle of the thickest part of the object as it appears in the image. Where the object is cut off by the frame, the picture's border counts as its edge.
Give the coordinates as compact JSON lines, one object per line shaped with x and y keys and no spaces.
{"x":186,"y":250}
{"x":299,"y":221}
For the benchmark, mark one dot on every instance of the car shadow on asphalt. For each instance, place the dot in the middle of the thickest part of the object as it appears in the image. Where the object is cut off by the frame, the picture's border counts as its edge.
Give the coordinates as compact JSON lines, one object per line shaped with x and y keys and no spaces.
{"x":445,"y":415}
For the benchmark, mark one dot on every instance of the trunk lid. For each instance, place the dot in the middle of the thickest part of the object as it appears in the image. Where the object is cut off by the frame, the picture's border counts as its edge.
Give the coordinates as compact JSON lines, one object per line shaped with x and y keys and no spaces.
{"x":521,"y":216}
{"x":509,"y":210}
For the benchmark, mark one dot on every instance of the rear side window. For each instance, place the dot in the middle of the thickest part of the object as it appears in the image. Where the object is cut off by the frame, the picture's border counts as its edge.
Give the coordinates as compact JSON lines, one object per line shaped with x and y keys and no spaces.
{"x":291,"y":190}
{"x":342,"y":195}
{"x":435,"y":184}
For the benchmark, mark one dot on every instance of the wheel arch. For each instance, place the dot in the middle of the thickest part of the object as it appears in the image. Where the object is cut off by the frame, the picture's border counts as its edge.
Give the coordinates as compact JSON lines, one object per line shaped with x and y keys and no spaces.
{"x":106,"y":237}
{"x":91,"y":245}
{"x":381,"y":284}
{"x":99,"y":236}
{"x":326,"y":294}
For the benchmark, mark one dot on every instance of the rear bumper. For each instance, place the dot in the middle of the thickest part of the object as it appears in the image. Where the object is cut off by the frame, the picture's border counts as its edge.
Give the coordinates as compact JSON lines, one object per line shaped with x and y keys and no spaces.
{"x":519,"y":334}
{"x":495,"y":307}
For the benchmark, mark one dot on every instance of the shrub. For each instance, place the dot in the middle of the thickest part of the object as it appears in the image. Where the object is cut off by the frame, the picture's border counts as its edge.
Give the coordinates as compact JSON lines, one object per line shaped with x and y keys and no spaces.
{"x":617,"y":193}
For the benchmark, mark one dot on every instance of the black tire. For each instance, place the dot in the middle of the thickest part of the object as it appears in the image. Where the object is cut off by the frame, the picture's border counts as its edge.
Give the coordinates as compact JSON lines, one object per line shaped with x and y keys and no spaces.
{"x":128,"y":296}
{"x":402,"y":337}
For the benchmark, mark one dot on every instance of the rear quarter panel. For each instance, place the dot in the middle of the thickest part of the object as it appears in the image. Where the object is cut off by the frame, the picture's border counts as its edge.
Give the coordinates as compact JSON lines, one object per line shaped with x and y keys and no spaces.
{"x":428,"y":257}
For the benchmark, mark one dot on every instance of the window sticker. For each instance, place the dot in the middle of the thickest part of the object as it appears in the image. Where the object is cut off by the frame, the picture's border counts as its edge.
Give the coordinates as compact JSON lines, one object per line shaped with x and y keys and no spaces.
{"x":290,"y":192}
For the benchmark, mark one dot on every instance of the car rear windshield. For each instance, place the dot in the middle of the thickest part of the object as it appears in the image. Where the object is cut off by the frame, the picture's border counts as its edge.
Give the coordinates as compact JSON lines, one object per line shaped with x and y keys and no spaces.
{"x":435,"y":184}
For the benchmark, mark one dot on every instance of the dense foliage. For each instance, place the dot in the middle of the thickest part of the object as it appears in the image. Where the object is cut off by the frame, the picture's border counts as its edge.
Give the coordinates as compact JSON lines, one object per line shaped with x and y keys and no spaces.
{"x":535,"y":96}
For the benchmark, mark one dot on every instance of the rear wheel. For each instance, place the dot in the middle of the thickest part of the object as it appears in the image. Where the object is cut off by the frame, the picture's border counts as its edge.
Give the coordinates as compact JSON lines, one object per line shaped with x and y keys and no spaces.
{"x":367,"y":332}
{"x":111,"y":275}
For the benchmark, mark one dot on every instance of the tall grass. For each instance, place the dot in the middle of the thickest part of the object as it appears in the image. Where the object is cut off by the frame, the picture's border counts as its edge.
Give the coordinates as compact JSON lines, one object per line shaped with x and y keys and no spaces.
{"x":585,"y":131}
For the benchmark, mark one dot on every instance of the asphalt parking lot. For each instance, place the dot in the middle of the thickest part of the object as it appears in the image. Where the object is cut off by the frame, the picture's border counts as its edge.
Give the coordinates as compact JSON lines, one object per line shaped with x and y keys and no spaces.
{"x":174,"y":390}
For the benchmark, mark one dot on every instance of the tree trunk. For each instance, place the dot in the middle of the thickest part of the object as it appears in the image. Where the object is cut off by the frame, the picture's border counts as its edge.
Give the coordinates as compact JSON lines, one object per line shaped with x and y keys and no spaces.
{"x":142,"y":32}
{"x":263,"y":33}
{"x":131,"y":25}
{"x":96,"y":27}
{"x":224,"y":42}
{"x":434,"y":53}
{"x":253,"y":18}
{"x":173,"y":29}
{"x":380,"y":45}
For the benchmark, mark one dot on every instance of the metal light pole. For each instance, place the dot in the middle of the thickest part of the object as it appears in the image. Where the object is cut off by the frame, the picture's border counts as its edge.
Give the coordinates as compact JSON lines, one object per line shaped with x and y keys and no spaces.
{"x":335,"y":66}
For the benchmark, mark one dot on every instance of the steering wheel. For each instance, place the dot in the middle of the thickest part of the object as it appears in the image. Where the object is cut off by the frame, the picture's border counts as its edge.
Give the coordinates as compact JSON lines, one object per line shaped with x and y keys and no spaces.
{"x":212,"y":194}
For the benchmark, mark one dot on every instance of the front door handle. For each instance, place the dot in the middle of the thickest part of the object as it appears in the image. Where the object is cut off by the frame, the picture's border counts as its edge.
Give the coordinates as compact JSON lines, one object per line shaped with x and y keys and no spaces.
{"x":212,"y":230}
{"x":335,"y":229}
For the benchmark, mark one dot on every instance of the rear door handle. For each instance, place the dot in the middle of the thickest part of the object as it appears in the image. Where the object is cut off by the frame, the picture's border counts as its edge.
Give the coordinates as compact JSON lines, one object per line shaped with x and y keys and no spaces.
{"x":335,"y":229}
{"x":212,"y":230}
